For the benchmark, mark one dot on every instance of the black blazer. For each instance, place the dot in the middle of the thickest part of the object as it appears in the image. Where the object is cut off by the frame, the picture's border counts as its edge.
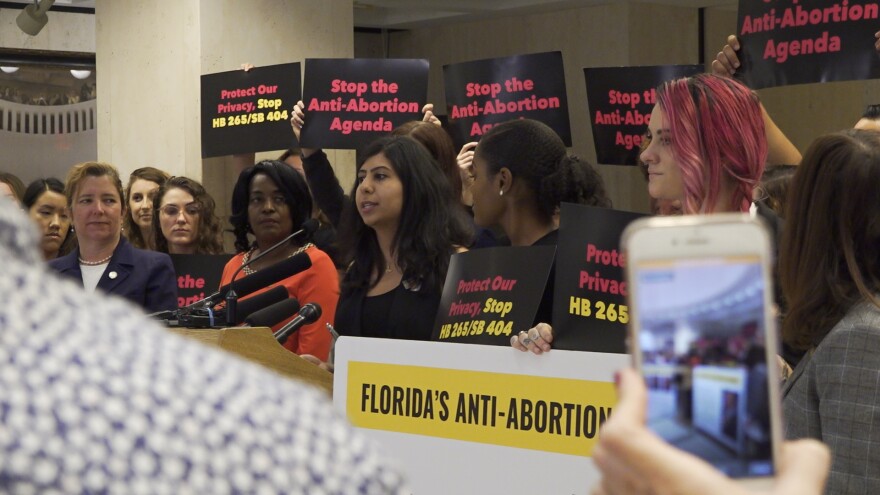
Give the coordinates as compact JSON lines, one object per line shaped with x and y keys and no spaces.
{"x":146,"y":278}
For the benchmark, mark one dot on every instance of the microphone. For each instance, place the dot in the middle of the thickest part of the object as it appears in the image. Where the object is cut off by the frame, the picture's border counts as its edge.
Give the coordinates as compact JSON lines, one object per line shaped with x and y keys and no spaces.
{"x":274,"y":314}
{"x":308,"y":227}
{"x":307,"y":314}
{"x":262,"y":301}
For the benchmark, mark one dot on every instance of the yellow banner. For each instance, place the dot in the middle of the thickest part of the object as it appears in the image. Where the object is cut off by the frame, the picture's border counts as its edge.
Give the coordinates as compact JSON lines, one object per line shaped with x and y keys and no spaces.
{"x":531,"y":412}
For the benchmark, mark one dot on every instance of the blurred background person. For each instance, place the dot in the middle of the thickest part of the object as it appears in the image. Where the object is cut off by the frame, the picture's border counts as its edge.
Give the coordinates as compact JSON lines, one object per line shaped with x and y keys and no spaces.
{"x":774,"y":187}
{"x":11,"y":186}
{"x":829,"y":270}
{"x":103,"y":259}
{"x":186,"y":219}
{"x":142,"y":186}
{"x":47,"y":206}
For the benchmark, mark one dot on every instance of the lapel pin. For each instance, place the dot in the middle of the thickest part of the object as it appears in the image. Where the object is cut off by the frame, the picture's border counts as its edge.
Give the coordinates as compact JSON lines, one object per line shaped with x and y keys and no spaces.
{"x":112,"y":275}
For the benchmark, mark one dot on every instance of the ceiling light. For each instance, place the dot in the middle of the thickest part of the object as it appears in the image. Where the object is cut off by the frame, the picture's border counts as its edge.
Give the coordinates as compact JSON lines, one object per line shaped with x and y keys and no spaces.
{"x":8,"y":70}
{"x":80,"y":74}
{"x":33,"y":18}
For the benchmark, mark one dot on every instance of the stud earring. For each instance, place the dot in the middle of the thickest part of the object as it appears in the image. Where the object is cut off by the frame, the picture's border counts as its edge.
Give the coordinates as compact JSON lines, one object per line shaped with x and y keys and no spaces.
{"x":501,"y":192}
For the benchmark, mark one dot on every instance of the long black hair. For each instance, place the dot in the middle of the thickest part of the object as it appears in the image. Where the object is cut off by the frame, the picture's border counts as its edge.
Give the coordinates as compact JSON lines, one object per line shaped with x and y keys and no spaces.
{"x":431,"y":227}
{"x":292,"y":186}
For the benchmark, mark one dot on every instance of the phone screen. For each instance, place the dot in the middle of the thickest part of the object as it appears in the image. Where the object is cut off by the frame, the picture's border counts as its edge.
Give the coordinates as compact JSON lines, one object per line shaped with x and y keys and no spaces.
{"x":702,"y":340}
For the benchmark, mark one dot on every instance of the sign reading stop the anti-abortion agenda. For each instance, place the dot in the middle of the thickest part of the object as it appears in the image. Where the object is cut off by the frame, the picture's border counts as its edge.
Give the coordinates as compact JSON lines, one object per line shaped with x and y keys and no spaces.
{"x":350,"y":102}
{"x":620,"y":101}
{"x":492,"y":293}
{"x":245,"y":112}
{"x":483,"y":93}
{"x":590,"y":311}
{"x":804,"y":41}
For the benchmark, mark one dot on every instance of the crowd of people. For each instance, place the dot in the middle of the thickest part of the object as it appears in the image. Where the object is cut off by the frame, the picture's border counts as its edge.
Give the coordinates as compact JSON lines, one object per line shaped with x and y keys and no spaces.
{"x":380,"y":256}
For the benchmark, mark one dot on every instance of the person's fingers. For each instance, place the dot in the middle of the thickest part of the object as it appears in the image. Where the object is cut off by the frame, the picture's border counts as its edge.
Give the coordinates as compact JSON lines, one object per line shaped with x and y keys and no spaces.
{"x":312,"y":359}
{"x":803,"y":468}
{"x":517,"y":342}
{"x":732,"y":57}
{"x":429,"y":107}
{"x":541,"y":336}
{"x":733,"y":41}
{"x":632,"y":397}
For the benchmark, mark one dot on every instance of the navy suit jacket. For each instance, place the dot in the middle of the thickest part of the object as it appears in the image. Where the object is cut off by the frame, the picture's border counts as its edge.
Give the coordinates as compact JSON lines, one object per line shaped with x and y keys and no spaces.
{"x":146,"y":278}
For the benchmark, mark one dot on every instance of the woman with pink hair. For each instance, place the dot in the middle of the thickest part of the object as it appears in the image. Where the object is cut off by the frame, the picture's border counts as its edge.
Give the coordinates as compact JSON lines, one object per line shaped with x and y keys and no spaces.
{"x":708,"y":147}
{"x":708,"y":144}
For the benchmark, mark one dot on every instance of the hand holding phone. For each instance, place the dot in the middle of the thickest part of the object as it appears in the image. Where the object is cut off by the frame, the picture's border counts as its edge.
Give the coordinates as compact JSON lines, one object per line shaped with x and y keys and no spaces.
{"x":704,"y":337}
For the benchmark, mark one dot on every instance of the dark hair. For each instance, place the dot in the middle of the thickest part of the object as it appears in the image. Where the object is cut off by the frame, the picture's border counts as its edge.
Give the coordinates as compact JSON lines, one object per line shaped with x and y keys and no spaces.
{"x":533,"y":152}
{"x":33,"y":192}
{"x":439,"y":145}
{"x":36,"y":189}
{"x":431,"y":226}
{"x":872,"y":112}
{"x":14,"y":183}
{"x":292,"y":186}
{"x":828,"y":258}
{"x":774,"y":186}
{"x":132,"y":231}
{"x":209,"y":238}
{"x":289,"y":153}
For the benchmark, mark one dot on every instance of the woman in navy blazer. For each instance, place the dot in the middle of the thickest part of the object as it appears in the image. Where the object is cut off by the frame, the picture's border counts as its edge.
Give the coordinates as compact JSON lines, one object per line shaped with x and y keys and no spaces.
{"x":104,"y":259}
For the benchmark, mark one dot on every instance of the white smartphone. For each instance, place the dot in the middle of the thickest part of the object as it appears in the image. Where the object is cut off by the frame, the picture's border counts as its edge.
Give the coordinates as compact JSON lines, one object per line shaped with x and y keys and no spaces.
{"x":703,"y":333}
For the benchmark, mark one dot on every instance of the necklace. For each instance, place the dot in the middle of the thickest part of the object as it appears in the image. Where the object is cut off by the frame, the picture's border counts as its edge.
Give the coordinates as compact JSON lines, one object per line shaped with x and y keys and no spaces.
{"x":247,"y":256}
{"x":94,"y":263}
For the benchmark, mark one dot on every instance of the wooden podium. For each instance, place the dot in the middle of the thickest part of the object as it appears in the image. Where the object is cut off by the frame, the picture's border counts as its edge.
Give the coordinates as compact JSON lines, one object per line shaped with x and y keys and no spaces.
{"x":257,"y":344}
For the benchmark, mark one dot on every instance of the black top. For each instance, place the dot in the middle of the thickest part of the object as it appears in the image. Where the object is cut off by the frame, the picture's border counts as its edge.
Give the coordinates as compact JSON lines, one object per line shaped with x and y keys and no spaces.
{"x":375,"y":311}
{"x":398,"y":314}
{"x":545,"y":309}
{"x":324,"y":185}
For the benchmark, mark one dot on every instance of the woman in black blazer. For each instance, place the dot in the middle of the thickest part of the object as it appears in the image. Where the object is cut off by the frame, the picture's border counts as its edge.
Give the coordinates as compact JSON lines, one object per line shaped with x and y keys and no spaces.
{"x":104,"y":259}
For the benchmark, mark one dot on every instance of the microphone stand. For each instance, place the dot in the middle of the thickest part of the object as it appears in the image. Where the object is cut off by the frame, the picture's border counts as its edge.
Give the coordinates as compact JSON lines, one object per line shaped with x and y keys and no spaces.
{"x":308,"y":226}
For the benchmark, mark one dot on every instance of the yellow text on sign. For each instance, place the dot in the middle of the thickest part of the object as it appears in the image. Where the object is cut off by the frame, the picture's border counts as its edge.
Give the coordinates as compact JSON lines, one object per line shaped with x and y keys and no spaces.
{"x":558,"y":415}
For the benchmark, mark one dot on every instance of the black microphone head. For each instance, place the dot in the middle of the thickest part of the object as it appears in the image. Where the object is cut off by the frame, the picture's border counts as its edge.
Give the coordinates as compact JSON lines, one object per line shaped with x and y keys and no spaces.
{"x":309,"y":227}
{"x":274,"y":314}
{"x":310,"y":312}
{"x":249,"y":305}
{"x":270,"y":275}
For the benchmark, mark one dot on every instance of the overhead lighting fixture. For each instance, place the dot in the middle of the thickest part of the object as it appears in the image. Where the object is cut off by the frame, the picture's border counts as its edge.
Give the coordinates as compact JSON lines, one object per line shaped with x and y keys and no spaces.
{"x":33,"y":18}
{"x":80,"y":74}
{"x":9,"y":70}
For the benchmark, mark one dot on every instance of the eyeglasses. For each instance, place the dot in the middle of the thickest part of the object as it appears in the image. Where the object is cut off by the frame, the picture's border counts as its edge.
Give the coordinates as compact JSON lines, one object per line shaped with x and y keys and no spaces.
{"x":190,"y":210}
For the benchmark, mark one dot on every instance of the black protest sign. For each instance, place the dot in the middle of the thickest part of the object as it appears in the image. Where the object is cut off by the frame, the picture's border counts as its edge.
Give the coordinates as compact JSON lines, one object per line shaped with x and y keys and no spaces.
{"x":492,"y":293}
{"x":590,"y":311}
{"x":620,"y":100}
{"x":246,"y":112}
{"x":197,"y":274}
{"x":483,"y":93}
{"x":351,"y":102}
{"x":806,"y":41}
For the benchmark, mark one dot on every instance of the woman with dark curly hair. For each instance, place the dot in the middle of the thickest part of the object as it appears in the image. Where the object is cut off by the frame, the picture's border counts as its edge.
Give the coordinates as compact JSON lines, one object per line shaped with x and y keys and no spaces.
{"x":142,"y":186}
{"x":405,"y":225}
{"x":270,"y":201}
{"x":186,"y":219}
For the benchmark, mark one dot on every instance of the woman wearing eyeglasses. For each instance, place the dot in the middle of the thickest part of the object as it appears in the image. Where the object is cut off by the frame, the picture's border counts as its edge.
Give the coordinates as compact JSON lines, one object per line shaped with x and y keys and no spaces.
{"x":186,"y":219}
